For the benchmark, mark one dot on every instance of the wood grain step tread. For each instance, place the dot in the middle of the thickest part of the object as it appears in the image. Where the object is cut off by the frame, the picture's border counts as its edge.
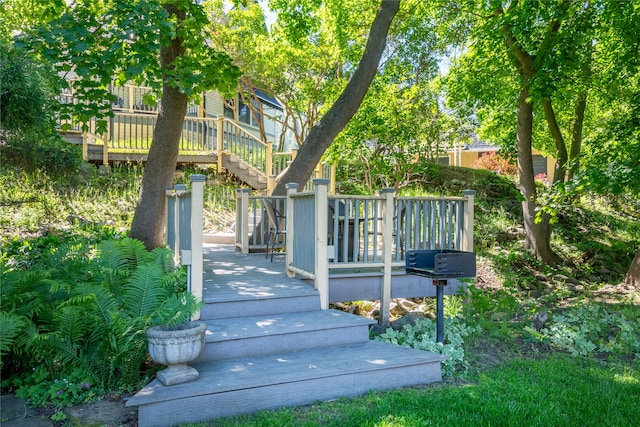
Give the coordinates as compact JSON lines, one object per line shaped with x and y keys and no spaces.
{"x":288,"y":368}
{"x":278,"y":324}
{"x":249,"y":289}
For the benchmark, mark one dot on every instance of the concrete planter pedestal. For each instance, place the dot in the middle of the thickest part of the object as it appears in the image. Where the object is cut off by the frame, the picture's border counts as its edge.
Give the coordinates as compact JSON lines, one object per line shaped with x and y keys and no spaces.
{"x":176,"y":348}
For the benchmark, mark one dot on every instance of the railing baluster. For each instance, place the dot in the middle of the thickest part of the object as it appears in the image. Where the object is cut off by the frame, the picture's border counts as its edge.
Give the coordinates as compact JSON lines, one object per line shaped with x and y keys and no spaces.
{"x":450,"y":225}
{"x":432,"y":224}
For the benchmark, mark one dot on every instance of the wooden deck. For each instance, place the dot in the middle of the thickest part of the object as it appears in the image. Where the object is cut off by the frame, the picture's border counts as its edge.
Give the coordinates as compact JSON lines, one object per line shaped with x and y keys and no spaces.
{"x":269,"y":345}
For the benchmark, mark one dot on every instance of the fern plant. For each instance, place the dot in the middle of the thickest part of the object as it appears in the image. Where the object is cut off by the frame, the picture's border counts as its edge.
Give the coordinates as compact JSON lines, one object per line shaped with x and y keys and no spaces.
{"x":81,"y":309}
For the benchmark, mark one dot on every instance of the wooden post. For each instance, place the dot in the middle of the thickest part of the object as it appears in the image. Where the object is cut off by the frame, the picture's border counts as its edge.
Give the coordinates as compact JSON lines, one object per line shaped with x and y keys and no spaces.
{"x":242,"y":225}
{"x":167,"y":191}
{"x":269,"y":168}
{"x":292,"y":188}
{"x":85,"y":147}
{"x":332,"y":187}
{"x":202,"y":124}
{"x":197,"y":225}
{"x":131,"y":98}
{"x":467,"y":243}
{"x":179,"y":189}
{"x":219,"y":123}
{"x":105,"y":142}
{"x":271,"y":183}
{"x":387,"y":244}
{"x":321,"y":263}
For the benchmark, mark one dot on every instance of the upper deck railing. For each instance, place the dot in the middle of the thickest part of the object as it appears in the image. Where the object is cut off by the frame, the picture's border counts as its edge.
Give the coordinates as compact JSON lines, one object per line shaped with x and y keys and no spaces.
{"x":130,"y":130}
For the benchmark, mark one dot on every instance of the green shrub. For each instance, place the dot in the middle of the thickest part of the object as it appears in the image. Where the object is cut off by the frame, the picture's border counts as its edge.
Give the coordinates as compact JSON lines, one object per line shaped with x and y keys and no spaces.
{"x":422,"y":336}
{"x":80,"y":313}
{"x":27,"y":123}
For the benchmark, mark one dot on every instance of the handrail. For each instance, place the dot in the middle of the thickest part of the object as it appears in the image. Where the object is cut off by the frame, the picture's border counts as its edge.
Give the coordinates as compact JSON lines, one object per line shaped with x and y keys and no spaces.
{"x":336,"y":232}
{"x":242,"y":144}
{"x":133,"y":121}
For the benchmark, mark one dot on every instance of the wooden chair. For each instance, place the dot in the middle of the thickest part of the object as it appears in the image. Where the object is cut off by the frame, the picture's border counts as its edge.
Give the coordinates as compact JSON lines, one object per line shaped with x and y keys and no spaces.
{"x":276,"y":226}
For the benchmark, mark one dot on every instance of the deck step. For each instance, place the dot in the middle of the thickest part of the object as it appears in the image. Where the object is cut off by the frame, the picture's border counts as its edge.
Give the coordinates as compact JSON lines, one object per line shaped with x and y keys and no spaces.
{"x":261,"y":335}
{"x":269,"y":345}
{"x":238,"y":386}
{"x":255,"y":297}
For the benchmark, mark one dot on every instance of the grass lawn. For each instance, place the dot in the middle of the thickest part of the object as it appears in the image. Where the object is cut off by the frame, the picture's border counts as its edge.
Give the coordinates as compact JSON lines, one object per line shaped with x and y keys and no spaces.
{"x":557,"y":390}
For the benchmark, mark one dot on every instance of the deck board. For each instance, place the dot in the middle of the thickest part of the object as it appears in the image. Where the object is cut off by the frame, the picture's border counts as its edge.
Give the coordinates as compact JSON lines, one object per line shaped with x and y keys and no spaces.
{"x":231,"y":275}
{"x":287,"y":323}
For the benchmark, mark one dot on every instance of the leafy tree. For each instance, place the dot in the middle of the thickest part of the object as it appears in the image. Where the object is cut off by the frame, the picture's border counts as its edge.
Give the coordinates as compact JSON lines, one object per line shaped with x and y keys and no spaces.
{"x":156,"y":43}
{"x":323,"y":133}
{"x":402,"y":117}
{"x":310,"y":55}
{"x":19,"y":16}
{"x":529,"y":59}
{"x":304,"y":59}
{"x":396,"y":124}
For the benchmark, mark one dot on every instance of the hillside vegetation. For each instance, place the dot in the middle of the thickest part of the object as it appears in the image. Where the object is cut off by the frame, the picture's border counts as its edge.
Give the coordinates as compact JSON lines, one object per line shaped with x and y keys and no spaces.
{"x":516,"y":308}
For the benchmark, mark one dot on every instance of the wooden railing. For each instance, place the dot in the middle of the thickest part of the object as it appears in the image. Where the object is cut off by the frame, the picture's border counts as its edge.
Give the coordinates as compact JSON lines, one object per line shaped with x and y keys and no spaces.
{"x":326,"y":233}
{"x":184,"y":230}
{"x":130,"y":131}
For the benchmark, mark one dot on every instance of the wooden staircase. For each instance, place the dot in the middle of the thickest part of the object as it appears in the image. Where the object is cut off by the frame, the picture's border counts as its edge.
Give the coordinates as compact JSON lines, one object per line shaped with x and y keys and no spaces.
{"x":269,"y":345}
{"x":235,"y":166}
{"x":231,"y":164}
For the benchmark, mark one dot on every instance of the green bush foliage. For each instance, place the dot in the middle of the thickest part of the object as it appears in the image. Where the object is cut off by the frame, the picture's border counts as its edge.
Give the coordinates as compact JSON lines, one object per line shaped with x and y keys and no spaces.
{"x":422,"y":336}
{"x":27,"y":117}
{"x":79,"y":315}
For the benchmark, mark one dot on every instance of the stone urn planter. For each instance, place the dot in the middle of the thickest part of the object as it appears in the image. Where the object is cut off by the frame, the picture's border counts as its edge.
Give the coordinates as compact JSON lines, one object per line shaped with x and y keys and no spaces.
{"x":176,"y":348}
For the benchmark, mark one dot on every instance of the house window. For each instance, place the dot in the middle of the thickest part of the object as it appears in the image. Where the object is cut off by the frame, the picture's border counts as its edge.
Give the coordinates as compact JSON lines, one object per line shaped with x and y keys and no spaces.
{"x":244,"y":113}
{"x":250,"y":116}
{"x":539,"y":164}
{"x":255,"y":115}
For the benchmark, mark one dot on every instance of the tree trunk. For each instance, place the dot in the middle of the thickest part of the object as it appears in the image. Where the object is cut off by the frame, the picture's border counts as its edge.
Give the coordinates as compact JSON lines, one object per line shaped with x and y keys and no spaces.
{"x":324,"y":132}
{"x":537,"y":236}
{"x":633,"y":275}
{"x":576,"y":134}
{"x":561,"y":148}
{"x":148,"y":219}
